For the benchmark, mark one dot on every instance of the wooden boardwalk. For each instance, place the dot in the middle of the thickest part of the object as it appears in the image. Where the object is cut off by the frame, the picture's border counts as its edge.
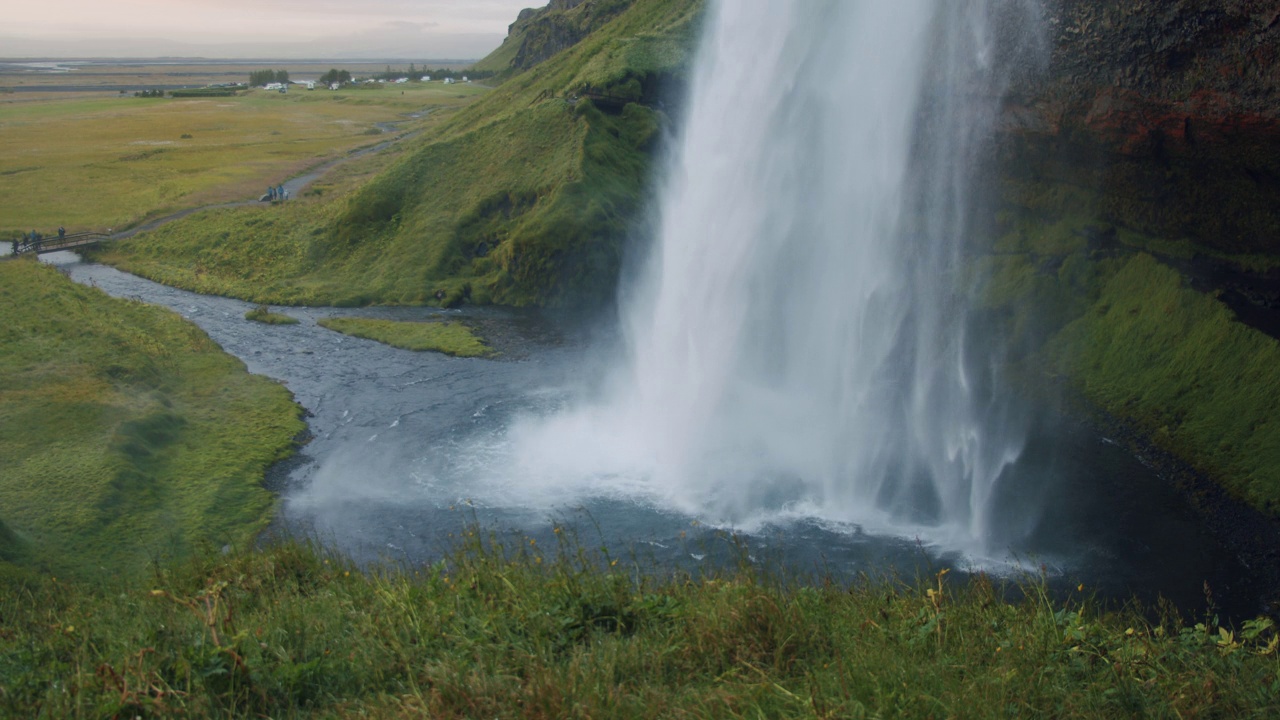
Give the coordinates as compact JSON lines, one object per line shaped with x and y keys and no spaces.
{"x":55,"y":243}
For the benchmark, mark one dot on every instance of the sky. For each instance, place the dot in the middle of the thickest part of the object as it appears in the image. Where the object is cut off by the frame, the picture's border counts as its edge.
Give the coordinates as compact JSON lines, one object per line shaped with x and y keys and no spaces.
{"x":375,"y":29}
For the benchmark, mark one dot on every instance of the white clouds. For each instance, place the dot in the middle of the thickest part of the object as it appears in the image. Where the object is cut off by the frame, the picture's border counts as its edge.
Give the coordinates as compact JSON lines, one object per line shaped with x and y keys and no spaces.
{"x":367,"y":28}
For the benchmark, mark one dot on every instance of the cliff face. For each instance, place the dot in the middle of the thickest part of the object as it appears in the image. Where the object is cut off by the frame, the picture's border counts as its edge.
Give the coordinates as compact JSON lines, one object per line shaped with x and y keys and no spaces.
{"x":1136,"y":251}
{"x":1169,"y":111}
{"x":539,"y":34}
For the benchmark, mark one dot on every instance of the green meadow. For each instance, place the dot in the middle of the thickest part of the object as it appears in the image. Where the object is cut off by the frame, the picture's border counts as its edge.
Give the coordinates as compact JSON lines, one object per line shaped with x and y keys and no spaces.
{"x":127,"y":435}
{"x":91,"y":161}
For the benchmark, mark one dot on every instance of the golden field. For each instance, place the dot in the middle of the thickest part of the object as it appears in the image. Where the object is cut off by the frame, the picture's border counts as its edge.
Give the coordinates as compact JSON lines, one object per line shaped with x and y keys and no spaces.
{"x":100,"y":160}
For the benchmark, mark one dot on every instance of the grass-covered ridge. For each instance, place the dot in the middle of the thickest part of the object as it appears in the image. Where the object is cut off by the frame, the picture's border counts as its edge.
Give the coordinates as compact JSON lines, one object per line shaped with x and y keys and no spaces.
{"x":126,"y":433}
{"x":450,"y":338}
{"x":525,"y":197}
{"x":523,"y":632}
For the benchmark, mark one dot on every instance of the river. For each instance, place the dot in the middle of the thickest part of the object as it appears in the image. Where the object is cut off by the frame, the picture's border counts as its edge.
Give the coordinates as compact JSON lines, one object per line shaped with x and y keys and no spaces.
{"x":409,"y":447}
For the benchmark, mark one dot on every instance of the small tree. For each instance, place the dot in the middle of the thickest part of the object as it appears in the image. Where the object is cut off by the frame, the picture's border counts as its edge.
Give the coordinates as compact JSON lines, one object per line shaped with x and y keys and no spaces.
{"x":258,"y":78}
{"x":334,"y":75}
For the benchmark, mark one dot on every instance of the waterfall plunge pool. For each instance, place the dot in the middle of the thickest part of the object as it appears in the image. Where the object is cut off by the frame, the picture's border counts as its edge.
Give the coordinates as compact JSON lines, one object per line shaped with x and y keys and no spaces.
{"x":410,"y":447}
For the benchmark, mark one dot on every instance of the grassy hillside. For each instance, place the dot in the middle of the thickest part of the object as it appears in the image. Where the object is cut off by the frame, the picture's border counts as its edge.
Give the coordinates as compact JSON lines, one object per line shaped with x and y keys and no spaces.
{"x":127,"y":434}
{"x":519,"y":632}
{"x":523,"y":198}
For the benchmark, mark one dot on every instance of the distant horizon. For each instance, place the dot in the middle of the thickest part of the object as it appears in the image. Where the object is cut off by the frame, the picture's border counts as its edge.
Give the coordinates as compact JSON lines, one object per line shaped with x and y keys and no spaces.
{"x":186,"y":59}
{"x":248,"y":29}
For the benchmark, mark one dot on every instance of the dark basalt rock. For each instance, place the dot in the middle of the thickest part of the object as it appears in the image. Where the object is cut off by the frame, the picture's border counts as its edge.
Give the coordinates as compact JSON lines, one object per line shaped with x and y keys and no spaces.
{"x":1170,"y":109}
{"x":559,"y":26}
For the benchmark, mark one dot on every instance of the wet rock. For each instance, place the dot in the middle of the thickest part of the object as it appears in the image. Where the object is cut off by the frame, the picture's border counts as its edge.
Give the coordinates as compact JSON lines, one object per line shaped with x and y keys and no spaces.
{"x":1170,"y":109}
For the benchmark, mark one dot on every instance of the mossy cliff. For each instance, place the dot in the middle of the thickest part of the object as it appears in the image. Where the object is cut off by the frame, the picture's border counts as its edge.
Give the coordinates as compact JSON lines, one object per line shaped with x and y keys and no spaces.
{"x":1138,"y":224}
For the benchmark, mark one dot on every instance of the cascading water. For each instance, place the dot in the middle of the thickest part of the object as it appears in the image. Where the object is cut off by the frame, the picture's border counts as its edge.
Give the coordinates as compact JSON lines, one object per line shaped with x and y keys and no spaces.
{"x":800,"y":343}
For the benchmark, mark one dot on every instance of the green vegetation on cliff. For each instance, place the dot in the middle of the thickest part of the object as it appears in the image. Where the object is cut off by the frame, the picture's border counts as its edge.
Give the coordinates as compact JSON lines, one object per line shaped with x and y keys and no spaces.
{"x":1177,"y":363}
{"x":523,"y":198}
{"x":450,"y":338}
{"x":1132,"y":337}
{"x":523,"y":632}
{"x":127,"y":434}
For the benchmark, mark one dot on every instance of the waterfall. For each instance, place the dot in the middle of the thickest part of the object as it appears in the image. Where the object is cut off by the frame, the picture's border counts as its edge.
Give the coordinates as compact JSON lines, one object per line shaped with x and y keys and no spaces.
{"x":800,"y":341}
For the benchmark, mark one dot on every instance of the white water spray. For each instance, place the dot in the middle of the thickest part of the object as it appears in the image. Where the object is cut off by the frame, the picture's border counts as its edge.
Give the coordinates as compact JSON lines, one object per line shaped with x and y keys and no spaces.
{"x":800,"y":343}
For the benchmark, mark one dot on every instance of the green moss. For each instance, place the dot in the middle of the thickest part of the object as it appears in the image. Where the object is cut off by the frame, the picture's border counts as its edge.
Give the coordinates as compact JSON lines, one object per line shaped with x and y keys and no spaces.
{"x":1136,"y":341}
{"x":450,"y":338}
{"x":1127,"y":332}
{"x":263,"y":314}
{"x":127,"y":433}
{"x":1177,"y":363}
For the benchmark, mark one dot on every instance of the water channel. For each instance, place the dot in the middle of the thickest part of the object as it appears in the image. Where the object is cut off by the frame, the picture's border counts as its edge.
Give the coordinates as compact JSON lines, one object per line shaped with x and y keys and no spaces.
{"x":409,"y":447}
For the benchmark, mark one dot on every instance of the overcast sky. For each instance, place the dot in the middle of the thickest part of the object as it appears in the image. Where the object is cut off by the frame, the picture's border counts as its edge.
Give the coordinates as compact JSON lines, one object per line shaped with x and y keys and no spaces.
{"x":425,"y":29}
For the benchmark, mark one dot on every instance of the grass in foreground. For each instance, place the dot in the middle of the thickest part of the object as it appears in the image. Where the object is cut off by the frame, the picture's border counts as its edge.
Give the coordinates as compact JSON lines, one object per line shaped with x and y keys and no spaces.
{"x":450,"y":338}
{"x":263,"y":314}
{"x":126,"y":433}
{"x":519,"y":632}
